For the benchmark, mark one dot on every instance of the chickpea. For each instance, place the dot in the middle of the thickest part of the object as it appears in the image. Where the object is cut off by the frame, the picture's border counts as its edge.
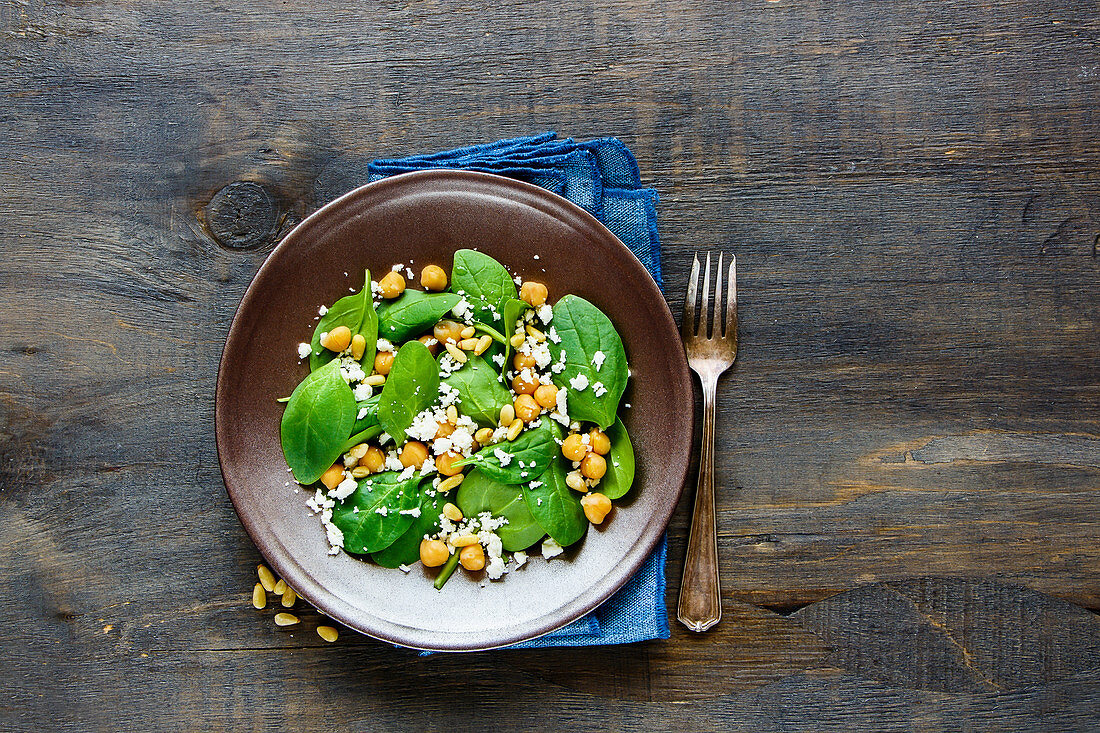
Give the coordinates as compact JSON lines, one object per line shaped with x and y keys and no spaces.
{"x":414,"y":453}
{"x":374,"y":459}
{"x":472,"y":557}
{"x":575,"y":481}
{"x":333,"y":476}
{"x":433,"y":277}
{"x":392,"y":285}
{"x":433,"y":553}
{"x":593,"y":466}
{"x":547,"y":396}
{"x":573,"y":448}
{"x":431,"y":342}
{"x":383,"y":362}
{"x":525,"y":384}
{"x":448,"y":332}
{"x":596,"y":507}
{"x":523,"y":361}
{"x":444,"y":430}
{"x":532,"y":292}
{"x":526,"y":407}
{"x":337,"y":339}
{"x":445,"y":464}
{"x":599,"y":441}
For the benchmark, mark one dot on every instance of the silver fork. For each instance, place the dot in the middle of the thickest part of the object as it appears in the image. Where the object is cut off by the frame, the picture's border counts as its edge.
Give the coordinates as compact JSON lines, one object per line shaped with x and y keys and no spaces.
{"x":710,"y":351}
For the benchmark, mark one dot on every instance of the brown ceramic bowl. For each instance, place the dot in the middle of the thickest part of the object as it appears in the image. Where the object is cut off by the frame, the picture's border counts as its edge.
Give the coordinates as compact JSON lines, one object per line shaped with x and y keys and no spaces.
{"x":423,"y":218}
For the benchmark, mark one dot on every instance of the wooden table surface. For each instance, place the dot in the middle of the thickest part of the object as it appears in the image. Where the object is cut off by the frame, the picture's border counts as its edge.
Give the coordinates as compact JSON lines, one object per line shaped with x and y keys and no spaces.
{"x":908,"y":448}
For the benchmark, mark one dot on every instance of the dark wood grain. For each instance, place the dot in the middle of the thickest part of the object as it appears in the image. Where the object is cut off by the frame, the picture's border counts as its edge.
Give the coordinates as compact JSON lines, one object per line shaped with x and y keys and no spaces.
{"x":908,"y":448}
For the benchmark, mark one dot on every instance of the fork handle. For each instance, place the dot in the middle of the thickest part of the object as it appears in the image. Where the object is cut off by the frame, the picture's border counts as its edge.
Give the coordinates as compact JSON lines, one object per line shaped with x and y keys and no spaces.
{"x":700,"y":604}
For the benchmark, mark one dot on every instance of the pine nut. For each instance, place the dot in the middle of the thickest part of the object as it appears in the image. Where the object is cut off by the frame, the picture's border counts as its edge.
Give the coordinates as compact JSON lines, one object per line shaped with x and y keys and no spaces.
{"x":280,"y":587}
{"x":358,"y":346}
{"x":515,"y":429}
{"x":267,"y":578}
{"x":448,"y":484}
{"x":483,"y":344}
{"x":507,"y":415}
{"x":451,"y":512}
{"x":289,"y":597}
{"x":467,"y":332}
{"x":452,"y":414}
{"x":358,"y":451}
{"x":467,"y":344}
{"x":360,"y":472}
{"x":464,"y":540}
{"x":328,"y":633}
{"x":456,"y":353}
{"x":375,"y":380}
{"x":285,"y":619}
{"x":536,"y":334}
{"x":259,"y":597}
{"x":484,"y":436}
{"x":517,"y":340}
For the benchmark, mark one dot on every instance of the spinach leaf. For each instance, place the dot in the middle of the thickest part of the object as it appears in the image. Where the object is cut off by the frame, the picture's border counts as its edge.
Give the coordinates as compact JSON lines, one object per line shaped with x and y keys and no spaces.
{"x":380,"y":501}
{"x":361,"y":437}
{"x":479,"y":493}
{"x":371,"y":418}
{"x":513,"y":310}
{"x":316,"y":422}
{"x":620,"y":463}
{"x":413,"y":313}
{"x":480,"y":393}
{"x":585,"y":330}
{"x":405,"y":550}
{"x":557,"y":507}
{"x":446,"y":573}
{"x":357,"y":313}
{"x":524,"y":459}
{"x":483,"y":282}
{"x":411,"y":387}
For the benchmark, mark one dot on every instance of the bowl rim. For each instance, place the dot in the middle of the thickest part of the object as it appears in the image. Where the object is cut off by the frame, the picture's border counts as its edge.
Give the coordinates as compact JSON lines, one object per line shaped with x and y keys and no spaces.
{"x":280,"y":558}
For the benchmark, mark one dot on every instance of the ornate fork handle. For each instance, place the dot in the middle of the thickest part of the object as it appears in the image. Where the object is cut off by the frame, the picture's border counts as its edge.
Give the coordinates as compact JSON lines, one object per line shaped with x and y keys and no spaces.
{"x":700,"y":604}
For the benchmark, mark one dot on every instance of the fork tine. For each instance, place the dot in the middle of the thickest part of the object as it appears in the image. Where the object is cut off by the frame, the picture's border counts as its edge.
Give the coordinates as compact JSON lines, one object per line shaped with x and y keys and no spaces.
{"x":718,"y":329}
{"x":731,"y":302}
{"x":704,"y":314}
{"x":687,"y":325}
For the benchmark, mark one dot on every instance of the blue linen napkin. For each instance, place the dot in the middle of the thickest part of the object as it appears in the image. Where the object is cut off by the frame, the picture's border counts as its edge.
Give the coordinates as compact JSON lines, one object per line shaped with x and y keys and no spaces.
{"x":601,"y":176}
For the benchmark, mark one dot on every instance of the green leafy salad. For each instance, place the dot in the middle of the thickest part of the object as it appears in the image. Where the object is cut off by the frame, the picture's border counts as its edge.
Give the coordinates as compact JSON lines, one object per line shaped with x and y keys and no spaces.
{"x":461,"y":424}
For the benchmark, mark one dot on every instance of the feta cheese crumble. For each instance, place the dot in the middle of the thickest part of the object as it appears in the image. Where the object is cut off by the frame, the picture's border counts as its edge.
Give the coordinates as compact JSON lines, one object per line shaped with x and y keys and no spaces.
{"x":579,"y":382}
{"x":344,"y":489}
{"x":550,"y":548}
{"x":598,"y":359}
{"x":304,"y":350}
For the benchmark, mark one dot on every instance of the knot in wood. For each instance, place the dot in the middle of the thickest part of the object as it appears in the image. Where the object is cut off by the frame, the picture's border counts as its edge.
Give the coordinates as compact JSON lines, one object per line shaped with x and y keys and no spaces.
{"x":241,"y":215}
